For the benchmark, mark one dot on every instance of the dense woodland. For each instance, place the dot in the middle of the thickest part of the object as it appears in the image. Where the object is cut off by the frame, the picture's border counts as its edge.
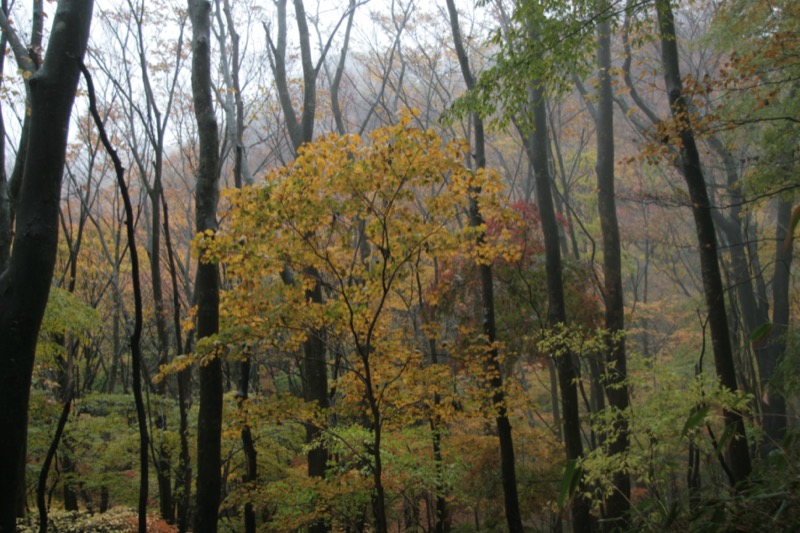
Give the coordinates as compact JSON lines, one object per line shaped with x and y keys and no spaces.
{"x":392,"y":265}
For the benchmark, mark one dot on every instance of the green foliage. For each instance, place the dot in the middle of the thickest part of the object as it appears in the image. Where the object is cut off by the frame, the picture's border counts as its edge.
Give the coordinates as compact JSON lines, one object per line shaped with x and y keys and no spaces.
{"x":115,"y":520}
{"x":786,"y":377}
{"x":543,"y":40}
{"x":758,"y":86}
{"x":101,"y":440}
{"x":770,"y":502}
{"x":572,"y":476}
{"x":761,"y":332}
{"x":65,"y":315}
{"x":664,"y":426}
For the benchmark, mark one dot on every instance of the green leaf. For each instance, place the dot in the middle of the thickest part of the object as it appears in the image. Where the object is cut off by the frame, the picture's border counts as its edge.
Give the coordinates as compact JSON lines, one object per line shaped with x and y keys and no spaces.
{"x":572,"y":475}
{"x":761,"y":332}
{"x":727,"y":435}
{"x":694,"y":420}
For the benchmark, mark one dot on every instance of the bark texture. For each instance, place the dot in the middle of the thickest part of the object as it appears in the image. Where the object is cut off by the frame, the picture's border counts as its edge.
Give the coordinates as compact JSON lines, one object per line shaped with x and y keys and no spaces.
{"x":713,"y":289}
{"x":25,"y":283}
{"x":617,"y":504}
{"x":504,"y":432}
{"x":209,"y":423}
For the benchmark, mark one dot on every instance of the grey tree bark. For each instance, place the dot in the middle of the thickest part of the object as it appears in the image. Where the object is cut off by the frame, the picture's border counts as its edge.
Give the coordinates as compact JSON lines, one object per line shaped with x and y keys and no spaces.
{"x":209,"y":423}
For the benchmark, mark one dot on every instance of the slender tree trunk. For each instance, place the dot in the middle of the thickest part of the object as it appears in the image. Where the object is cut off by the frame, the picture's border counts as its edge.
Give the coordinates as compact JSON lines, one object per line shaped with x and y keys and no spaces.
{"x":314,"y":368}
{"x":556,"y":313}
{"x":713,"y":289}
{"x":442,"y":524}
{"x":41,"y":488}
{"x":5,"y":201}
{"x":773,"y":408}
{"x":183,"y":476}
{"x":504,"y":433}
{"x":441,"y":515}
{"x":315,"y":390}
{"x":251,"y":470}
{"x":209,"y":424}
{"x":618,"y":503}
{"x":135,"y":338}
{"x":234,"y":111}
{"x":379,"y":497}
{"x":162,"y":458}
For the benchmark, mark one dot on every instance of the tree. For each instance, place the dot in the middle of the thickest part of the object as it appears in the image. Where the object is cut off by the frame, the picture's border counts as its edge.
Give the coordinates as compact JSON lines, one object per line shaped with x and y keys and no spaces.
{"x":147,"y":151}
{"x":760,"y":84}
{"x":618,"y":503}
{"x":527,"y":41}
{"x":358,"y":220}
{"x":209,"y":431}
{"x":476,"y":220}
{"x":713,"y":290}
{"x":234,"y":133}
{"x":136,"y":333}
{"x":25,"y":283}
{"x":28,"y":60}
{"x":301,"y":131}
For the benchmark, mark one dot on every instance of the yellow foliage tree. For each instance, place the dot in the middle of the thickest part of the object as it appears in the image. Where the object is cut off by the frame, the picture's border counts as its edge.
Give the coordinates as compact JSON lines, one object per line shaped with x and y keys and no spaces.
{"x":368,"y":220}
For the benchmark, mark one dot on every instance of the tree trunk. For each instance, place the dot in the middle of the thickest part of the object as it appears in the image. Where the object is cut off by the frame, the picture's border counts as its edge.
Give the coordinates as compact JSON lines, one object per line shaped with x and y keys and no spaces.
{"x":773,"y":408}
{"x":5,"y":201}
{"x":209,"y":424}
{"x":25,"y":283}
{"x":507,"y":462}
{"x":251,"y":469}
{"x":537,"y":147}
{"x":183,"y":476}
{"x":315,"y":390}
{"x":713,"y":289}
{"x":314,"y":368}
{"x":135,"y":338}
{"x":41,"y":487}
{"x":618,"y":503}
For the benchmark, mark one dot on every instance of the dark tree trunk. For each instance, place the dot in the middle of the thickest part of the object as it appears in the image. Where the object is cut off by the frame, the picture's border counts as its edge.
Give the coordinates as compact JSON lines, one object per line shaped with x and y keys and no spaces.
{"x":183,"y":476}
{"x":135,"y":338}
{"x":162,"y":459}
{"x":315,"y":390}
{"x":556,"y":313}
{"x":209,"y":424}
{"x":314,"y":368}
{"x":442,"y":516}
{"x":5,"y":203}
{"x":28,"y":59}
{"x":155,"y":129}
{"x":234,"y":110}
{"x":25,"y":283}
{"x":618,"y":503}
{"x":69,"y":492}
{"x":251,"y":471}
{"x":773,"y":408}
{"x":41,"y":487}
{"x":713,"y":289}
{"x":504,"y":433}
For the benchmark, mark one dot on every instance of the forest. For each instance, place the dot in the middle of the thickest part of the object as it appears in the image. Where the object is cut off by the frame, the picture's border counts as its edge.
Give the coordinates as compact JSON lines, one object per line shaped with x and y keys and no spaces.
{"x":399,"y":266}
